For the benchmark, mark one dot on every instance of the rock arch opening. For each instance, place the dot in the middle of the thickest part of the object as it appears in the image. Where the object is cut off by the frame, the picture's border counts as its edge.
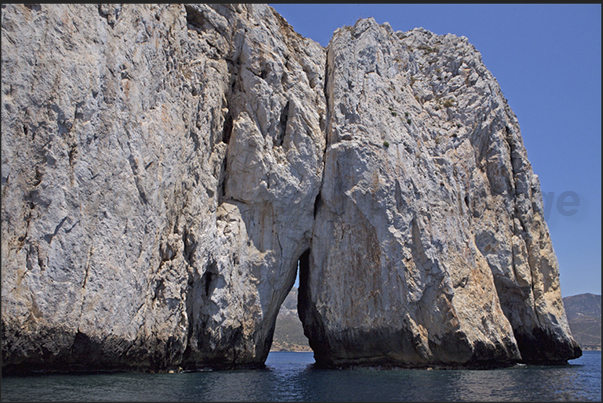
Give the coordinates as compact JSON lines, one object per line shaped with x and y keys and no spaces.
{"x":289,"y":332}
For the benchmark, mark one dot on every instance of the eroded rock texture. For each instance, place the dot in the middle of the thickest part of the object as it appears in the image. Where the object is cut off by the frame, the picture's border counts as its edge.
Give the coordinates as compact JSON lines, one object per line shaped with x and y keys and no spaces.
{"x":159,"y":171}
{"x":429,"y":246}
{"x":165,"y":167}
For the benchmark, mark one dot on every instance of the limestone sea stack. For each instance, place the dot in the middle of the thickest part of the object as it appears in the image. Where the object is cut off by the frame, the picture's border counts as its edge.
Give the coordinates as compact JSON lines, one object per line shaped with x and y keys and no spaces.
{"x":167,"y":168}
{"x":429,"y":244}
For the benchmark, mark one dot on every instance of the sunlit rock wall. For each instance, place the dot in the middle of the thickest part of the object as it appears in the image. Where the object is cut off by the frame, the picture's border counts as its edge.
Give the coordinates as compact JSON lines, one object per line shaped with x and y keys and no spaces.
{"x":165,"y":167}
{"x":429,"y":246}
{"x":159,"y":170}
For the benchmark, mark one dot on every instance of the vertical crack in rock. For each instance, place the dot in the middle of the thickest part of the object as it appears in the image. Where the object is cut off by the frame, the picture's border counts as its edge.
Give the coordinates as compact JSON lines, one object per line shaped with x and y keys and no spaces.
{"x":282,"y":125}
{"x":317,"y":204}
{"x":227,"y":128}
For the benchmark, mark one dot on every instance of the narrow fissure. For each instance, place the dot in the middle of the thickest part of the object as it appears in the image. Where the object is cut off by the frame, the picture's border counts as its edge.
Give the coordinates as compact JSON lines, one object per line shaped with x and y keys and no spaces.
{"x":317,"y":204}
{"x":282,"y":125}
{"x":289,"y":333}
{"x":227,"y":128}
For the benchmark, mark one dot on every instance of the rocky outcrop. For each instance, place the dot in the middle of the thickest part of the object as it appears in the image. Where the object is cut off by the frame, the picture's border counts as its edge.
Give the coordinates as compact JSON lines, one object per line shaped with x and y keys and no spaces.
{"x":159,"y":171}
{"x":429,"y":246}
{"x":166,"y":167}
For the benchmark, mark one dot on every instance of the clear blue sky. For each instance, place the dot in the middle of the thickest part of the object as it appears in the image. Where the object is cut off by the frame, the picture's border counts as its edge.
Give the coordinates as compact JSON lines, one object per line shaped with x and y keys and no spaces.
{"x":547,"y":60}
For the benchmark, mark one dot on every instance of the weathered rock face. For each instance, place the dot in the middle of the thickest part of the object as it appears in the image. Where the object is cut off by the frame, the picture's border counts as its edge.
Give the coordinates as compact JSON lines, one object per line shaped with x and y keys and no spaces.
{"x":429,"y":246}
{"x":159,"y":171}
{"x":165,"y":167}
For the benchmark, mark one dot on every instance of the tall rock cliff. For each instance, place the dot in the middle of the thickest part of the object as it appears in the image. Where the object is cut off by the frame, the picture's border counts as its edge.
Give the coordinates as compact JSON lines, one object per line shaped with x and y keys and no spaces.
{"x":166,"y":167}
{"x":429,"y":245}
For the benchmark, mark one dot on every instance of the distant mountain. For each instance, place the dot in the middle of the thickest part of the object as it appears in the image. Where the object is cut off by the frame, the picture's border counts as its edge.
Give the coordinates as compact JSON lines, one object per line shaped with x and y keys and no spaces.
{"x":584,"y":317}
{"x":289,"y":333}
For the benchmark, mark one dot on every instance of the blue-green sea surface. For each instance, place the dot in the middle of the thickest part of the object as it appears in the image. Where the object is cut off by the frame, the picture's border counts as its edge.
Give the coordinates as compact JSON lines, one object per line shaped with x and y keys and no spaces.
{"x":291,"y":377}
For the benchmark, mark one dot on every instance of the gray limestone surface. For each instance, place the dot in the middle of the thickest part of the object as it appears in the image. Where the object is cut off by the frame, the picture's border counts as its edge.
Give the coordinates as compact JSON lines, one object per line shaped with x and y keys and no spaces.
{"x":166,"y":167}
{"x":429,"y":246}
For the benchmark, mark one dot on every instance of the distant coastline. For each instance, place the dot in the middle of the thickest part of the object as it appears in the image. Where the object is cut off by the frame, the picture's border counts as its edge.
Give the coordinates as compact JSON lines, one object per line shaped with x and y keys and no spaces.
{"x":584,"y":318}
{"x":290,"y":348}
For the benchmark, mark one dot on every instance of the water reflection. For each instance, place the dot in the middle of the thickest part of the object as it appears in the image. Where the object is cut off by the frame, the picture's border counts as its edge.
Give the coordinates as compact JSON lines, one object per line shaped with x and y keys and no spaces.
{"x":236,"y":385}
{"x":519,"y":383}
{"x":291,"y":377}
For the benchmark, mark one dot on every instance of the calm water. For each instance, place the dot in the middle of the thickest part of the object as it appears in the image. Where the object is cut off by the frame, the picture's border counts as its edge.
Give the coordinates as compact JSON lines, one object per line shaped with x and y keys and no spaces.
{"x":290,"y":377}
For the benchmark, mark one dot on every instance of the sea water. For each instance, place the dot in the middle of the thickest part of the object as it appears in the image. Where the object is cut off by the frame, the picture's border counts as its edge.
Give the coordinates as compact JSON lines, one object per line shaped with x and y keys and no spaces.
{"x":292,"y":377}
